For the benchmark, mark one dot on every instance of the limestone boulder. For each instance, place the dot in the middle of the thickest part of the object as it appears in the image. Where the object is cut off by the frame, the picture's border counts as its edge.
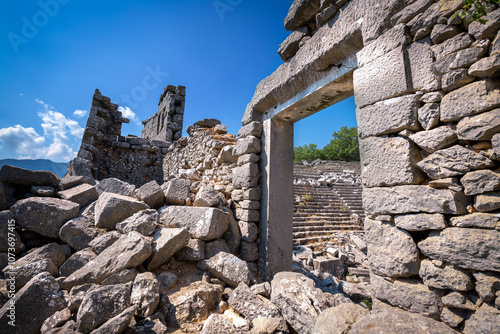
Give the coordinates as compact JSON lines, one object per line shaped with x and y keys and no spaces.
{"x":443,"y":276}
{"x":145,"y":294}
{"x":453,"y":161}
{"x":301,"y":12}
{"x":407,"y":293}
{"x":299,"y":300}
{"x":232,"y":237}
{"x":52,"y":251}
{"x":99,"y":244}
{"x":218,"y":323}
{"x":152,"y":194}
{"x":56,"y":320}
{"x":339,"y":319}
{"x":101,"y":304}
{"x":78,"y":233}
{"x":124,"y":276}
{"x":480,"y":181}
{"x":213,"y":248}
{"x":128,"y":252}
{"x":44,"y":216}
{"x":485,"y":320}
{"x":206,"y":197}
{"x":229,"y":269}
{"x":290,"y":45}
{"x":487,"y":30}
{"x":26,"y":271}
{"x":192,"y":305}
{"x":435,"y":139}
{"x":251,"y":129}
{"x":486,"y":67}
{"x":477,"y":220}
{"x":201,"y":223}
{"x":428,"y":115}
{"x":396,"y":321}
{"x":176,"y":191}
{"x":246,"y":176}
{"x":143,"y":222}
{"x":251,"y":305}
{"x":487,"y":202}
{"x":193,"y":251}
{"x":69,"y":181}
{"x":76,"y":261}
{"x":391,"y":251}
{"x":115,"y":186}
{"x":247,"y":145}
{"x":117,"y":324}
{"x":38,"y":300}
{"x":466,"y":248}
{"x":112,"y":208}
{"x":487,"y":283}
{"x":479,"y":127}
{"x":83,"y":194}
{"x":413,"y":199}
{"x":420,"y":222}
{"x":25,"y":177}
{"x":166,"y":242}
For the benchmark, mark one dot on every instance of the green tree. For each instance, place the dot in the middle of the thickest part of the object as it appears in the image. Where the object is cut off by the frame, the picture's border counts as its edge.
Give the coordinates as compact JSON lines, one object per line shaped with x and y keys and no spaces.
{"x":343,"y":146}
{"x":307,"y":152}
{"x":474,"y":10}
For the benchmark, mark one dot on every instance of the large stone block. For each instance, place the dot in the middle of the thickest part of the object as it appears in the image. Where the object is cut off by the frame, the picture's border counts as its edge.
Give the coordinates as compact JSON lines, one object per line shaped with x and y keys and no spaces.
{"x":457,"y":43}
{"x":389,"y":116}
{"x":339,"y":319}
{"x":44,"y":216}
{"x":479,"y":127}
{"x":116,"y":186}
{"x":381,"y":79}
{"x":25,"y":177}
{"x":480,"y":181}
{"x":444,"y":276}
{"x":391,"y":251}
{"x":111,"y":209}
{"x":250,"y":305}
{"x":413,"y":199}
{"x":466,"y":248}
{"x":477,"y":219}
{"x":290,"y":45}
{"x":471,"y":99}
{"x":247,"y":145}
{"x":485,"y":320}
{"x":166,"y":242}
{"x":407,"y":293}
{"x":229,"y":269}
{"x":201,"y":223}
{"x":420,"y":222}
{"x":435,"y":139}
{"x":453,"y":161}
{"x":251,"y":129}
{"x":83,"y":194}
{"x":176,"y":191}
{"x":246,"y":176}
{"x":420,"y":60}
{"x":152,"y":194}
{"x":300,"y":12}
{"x":389,"y":161}
{"x":488,"y":30}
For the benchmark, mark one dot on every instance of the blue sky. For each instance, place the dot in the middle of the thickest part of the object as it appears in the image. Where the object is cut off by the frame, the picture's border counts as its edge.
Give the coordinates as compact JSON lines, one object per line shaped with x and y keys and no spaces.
{"x":55,"y":53}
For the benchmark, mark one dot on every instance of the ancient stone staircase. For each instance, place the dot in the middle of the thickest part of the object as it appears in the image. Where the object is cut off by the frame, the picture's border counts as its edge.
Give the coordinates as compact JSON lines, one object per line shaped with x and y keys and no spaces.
{"x":327,"y":198}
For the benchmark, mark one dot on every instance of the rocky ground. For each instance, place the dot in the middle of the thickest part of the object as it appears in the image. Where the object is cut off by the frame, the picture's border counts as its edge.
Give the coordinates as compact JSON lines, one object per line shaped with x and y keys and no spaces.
{"x":80,"y":256}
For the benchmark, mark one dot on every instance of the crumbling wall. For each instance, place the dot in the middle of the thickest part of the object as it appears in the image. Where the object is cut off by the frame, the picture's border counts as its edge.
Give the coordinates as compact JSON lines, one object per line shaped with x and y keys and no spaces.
{"x":426,"y":87}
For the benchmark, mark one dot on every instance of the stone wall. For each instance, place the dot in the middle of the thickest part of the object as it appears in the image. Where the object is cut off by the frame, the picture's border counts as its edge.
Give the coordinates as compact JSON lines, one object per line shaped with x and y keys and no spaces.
{"x":426,"y":88}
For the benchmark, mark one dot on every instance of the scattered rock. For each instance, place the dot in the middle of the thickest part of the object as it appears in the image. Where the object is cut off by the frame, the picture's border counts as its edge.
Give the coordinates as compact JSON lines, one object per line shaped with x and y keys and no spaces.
{"x":485,"y":320}
{"x":76,"y":261}
{"x":229,"y":269}
{"x":166,"y":242}
{"x":117,"y":324}
{"x":206,"y":197}
{"x":152,"y":194}
{"x":143,"y":222}
{"x":339,"y":319}
{"x":78,"y":233}
{"x":251,"y":305}
{"x":145,"y":294}
{"x":115,"y":186}
{"x":102,"y":242}
{"x":112,"y":208}
{"x":56,"y":320}
{"x":83,"y":194}
{"x":176,"y":191}
{"x":25,"y":177}
{"x":443,"y":276}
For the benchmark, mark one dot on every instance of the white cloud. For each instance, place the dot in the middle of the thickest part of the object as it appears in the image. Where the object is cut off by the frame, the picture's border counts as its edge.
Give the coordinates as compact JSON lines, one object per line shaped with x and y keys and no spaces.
{"x":59,"y":133}
{"x":128,"y":113}
{"x":80,"y":113}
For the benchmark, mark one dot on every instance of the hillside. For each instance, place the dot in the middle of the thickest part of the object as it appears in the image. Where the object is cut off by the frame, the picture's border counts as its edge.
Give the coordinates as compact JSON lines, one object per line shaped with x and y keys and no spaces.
{"x":39,"y":164}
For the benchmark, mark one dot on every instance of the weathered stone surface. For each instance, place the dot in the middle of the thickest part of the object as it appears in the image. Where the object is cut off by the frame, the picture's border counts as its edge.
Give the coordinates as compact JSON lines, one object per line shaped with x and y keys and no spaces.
{"x":290,"y":45}
{"x":383,"y":78}
{"x":452,"y":317}
{"x":407,"y":293}
{"x":339,"y":319}
{"x":443,"y":276}
{"x":453,"y":161}
{"x":207,"y":123}
{"x":431,"y":97}
{"x":420,"y":222}
{"x":193,"y":251}
{"x":207,"y":196}
{"x":76,"y":261}
{"x":391,"y":251}
{"x":488,"y":30}
{"x":25,"y":177}
{"x":152,"y":194}
{"x":442,"y":32}
{"x":435,"y":139}
{"x":26,"y":271}
{"x":479,"y":127}
{"x":480,"y":181}
{"x":69,"y":181}
{"x":57,"y":319}
{"x":458,"y":300}
{"x":487,"y":202}
{"x":457,"y":43}
{"x":396,"y":157}
{"x":460,"y":59}
{"x":420,"y":59}
{"x":486,"y":67}
{"x":44,"y":216}
{"x":102,"y":242}
{"x":145,"y":294}
{"x":299,"y":300}
{"x":300,"y":12}
{"x":447,"y":183}
{"x":495,"y":142}
{"x":249,"y":231}
{"x":455,"y":79}
{"x":201,"y":223}
{"x":247,"y":145}
{"x":117,"y":324}
{"x":43,"y":191}
{"x":214,"y":247}
{"x":52,"y":252}
{"x":409,"y":199}
{"x":471,"y":99}
{"x":396,"y":321}
{"x":428,"y":115}
{"x":466,"y":248}
{"x":251,"y":305}
{"x":232,"y":236}
{"x":5,"y":233}
{"x":336,"y":267}
{"x":251,"y":129}
{"x":78,"y":233}
{"x":229,"y":269}
{"x":38,"y":300}
{"x":124,"y":276}
{"x":249,"y":251}
{"x":478,"y":220}
{"x":426,"y":20}
{"x":192,"y":305}
{"x":115,"y":186}
{"x":486,"y":285}
{"x":246,"y":175}
{"x":176,"y":191}
{"x":166,"y":242}
{"x":83,"y":194}
{"x":144,"y":222}
{"x":226,"y":155}
{"x":102,"y":304}
{"x":410,"y":11}
{"x":112,"y":208}
{"x":483,"y":321}
{"x":128,"y":252}
{"x":389,"y":116}
{"x":218,"y":323}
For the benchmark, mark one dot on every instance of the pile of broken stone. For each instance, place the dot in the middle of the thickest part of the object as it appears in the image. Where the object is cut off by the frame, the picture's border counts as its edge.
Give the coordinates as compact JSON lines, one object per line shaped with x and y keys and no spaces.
{"x":107,"y":257}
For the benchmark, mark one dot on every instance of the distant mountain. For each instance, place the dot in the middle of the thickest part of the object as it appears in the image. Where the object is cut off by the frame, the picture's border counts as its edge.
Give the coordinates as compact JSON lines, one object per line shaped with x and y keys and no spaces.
{"x":39,"y":164}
